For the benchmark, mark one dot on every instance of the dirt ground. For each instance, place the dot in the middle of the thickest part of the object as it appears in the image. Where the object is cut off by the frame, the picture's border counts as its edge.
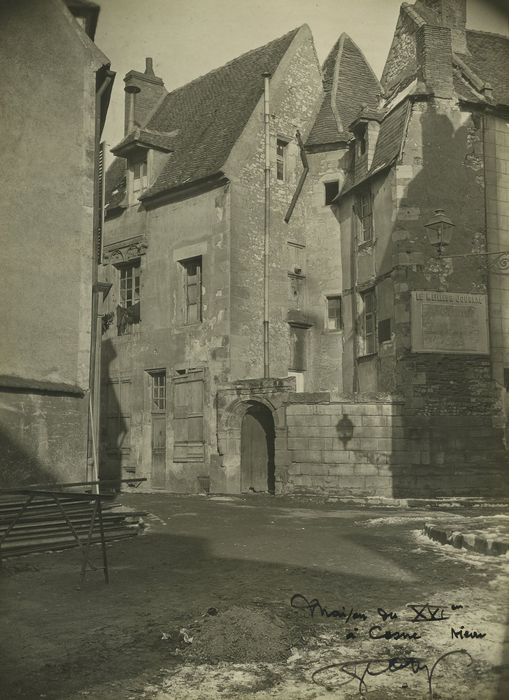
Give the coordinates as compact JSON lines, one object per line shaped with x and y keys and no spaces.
{"x":199,"y":606}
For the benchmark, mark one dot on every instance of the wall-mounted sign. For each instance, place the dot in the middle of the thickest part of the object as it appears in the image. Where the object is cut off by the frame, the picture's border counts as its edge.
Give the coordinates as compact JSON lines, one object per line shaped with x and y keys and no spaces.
{"x":449,"y":323}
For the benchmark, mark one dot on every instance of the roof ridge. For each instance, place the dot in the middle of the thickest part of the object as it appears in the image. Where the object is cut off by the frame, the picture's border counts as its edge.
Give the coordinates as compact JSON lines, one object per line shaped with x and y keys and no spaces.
{"x":234,"y":60}
{"x":334,"y":90}
{"x":483,"y":31}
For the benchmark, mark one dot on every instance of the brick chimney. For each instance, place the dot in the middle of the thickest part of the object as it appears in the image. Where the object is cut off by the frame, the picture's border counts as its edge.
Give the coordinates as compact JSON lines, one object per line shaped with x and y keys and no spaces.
{"x":451,"y":14}
{"x":143,"y":92}
{"x":434,"y":59}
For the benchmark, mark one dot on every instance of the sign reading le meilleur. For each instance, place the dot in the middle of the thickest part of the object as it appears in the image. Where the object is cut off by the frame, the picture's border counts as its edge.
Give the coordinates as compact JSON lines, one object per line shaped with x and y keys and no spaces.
{"x":447,"y":322}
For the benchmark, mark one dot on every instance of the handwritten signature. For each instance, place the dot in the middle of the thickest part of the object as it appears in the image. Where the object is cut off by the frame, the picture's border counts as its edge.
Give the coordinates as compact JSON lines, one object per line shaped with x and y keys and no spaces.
{"x":301,"y":602}
{"x":361,"y":669}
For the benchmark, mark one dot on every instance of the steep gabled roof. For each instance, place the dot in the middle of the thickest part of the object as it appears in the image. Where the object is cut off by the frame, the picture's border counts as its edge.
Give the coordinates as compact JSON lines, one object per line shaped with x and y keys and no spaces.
{"x":348,"y":83}
{"x":210,"y":113}
{"x":486,"y":60}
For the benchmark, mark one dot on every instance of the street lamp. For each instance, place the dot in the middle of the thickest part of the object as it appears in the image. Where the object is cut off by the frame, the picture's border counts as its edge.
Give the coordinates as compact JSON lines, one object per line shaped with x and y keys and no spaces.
{"x":439,"y":231}
{"x":440,"y":234}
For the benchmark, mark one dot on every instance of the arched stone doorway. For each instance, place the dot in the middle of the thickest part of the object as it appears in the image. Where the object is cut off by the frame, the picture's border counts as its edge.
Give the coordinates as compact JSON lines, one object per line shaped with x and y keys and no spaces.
{"x":257,"y":443}
{"x":266,"y":400}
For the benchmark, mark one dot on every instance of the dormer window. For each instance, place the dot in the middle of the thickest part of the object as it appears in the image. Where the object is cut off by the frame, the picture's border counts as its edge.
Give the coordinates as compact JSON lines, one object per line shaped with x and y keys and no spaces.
{"x":139,"y":179}
{"x":361,"y":140}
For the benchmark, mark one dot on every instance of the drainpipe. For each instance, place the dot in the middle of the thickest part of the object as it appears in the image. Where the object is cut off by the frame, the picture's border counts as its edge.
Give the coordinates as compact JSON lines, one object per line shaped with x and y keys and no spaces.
{"x":354,"y":246}
{"x":266,"y":121}
{"x":95,"y":341}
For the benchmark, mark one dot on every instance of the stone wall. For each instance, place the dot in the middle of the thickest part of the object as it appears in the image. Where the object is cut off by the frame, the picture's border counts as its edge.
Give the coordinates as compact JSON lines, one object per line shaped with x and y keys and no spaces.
{"x":391,"y":452}
{"x":43,"y":438}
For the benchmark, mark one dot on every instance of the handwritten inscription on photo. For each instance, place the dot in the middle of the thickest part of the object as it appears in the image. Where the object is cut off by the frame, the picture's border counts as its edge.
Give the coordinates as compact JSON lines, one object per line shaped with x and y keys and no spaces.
{"x":384,"y":625}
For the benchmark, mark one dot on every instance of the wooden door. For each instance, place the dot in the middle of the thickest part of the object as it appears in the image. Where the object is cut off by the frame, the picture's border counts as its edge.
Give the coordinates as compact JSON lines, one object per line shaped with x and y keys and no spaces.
{"x":254,"y":453}
{"x":159,"y":449}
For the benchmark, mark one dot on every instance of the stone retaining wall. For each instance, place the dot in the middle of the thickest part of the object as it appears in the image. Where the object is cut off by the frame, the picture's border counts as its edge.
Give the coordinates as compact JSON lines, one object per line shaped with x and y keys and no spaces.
{"x":390,"y":453}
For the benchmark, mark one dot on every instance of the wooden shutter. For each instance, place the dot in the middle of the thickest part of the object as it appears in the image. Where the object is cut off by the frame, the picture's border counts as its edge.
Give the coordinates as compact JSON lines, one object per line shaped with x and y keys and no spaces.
{"x":100,"y":202}
{"x":188,"y":399}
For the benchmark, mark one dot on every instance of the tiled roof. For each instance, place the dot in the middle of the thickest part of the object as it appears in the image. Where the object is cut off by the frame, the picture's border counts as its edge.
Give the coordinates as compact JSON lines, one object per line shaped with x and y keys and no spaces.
{"x":390,"y":137}
{"x":489,"y":60}
{"x":348,"y":83}
{"x":115,"y":183}
{"x":210,"y":113}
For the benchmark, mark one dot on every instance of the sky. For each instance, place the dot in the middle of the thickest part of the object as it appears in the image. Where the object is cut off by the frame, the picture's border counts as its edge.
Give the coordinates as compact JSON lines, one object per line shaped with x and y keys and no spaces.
{"x":188,"y":38}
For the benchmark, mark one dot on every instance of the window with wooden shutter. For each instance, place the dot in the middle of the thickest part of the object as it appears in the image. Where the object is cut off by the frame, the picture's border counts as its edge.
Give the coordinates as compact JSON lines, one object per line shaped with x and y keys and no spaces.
{"x":364,"y":210}
{"x":334,"y":316}
{"x":188,"y":398}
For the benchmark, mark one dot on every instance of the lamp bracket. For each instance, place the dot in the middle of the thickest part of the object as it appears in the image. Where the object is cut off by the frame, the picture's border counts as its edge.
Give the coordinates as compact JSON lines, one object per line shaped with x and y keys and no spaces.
{"x":496,"y":261}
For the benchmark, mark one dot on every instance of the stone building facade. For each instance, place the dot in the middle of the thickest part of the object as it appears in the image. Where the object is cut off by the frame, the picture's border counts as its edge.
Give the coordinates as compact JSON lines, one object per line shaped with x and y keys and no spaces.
{"x":50,"y":217}
{"x":366,"y":393}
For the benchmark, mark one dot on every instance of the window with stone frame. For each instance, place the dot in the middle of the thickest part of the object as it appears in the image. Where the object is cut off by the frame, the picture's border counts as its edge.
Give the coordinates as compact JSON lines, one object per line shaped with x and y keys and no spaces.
{"x":158,"y":381}
{"x":368,"y":326}
{"x":364,"y":209}
{"x":139,"y":175}
{"x":331,"y":191}
{"x":281,"y":151}
{"x":192,"y":289}
{"x":334,"y":320}
{"x":297,"y":361}
{"x":128,"y":310}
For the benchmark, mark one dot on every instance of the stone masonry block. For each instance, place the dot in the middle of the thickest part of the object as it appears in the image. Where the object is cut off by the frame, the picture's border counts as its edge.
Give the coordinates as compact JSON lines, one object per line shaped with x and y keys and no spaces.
{"x":341,"y":469}
{"x":366,"y":470}
{"x":384,"y":444}
{"x":373,"y":432}
{"x":314,"y":469}
{"x":337,"y":457}
{"x":296,"y":409}
{"x":381,"y":485}
{"x":312,"y":456}
{"x":364,"y":444}
{"x":352,"y":482}
{"x":298,"y":420}
{"x":374,"y":421}
{"x":320,"y":443}
{"x":298,"y":443}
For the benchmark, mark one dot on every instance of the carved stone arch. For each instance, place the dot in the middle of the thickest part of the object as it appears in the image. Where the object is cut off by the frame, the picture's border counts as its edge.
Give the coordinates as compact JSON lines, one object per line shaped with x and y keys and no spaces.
{"x":230,"y":415}
{"x":234,"y":412}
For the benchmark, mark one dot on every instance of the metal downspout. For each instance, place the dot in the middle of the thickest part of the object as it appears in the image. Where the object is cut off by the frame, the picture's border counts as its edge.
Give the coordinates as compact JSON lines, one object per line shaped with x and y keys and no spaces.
{"x":266,"y":236}
{"x":95,"y":341}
